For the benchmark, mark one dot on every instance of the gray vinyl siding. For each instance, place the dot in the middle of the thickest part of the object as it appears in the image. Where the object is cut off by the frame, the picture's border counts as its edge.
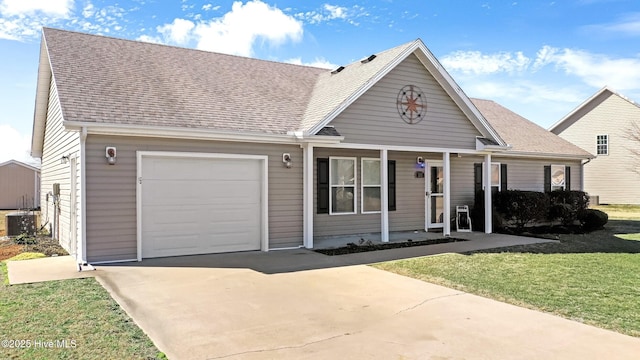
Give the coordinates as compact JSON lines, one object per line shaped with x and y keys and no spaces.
{"x":18,"y":184}
{"x":522,"y":174}
{"x":58,"y":142}
{"x":611,"y":177}
{"x":373,"y":118}
{"x":410,"y":197}
{"x":111,"y":191}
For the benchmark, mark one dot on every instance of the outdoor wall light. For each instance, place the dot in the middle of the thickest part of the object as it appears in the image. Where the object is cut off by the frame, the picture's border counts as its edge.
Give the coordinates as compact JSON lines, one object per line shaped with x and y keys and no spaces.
{"x":110,"y":153}
{"x":64,"y":159}
{"x":286,"y":160}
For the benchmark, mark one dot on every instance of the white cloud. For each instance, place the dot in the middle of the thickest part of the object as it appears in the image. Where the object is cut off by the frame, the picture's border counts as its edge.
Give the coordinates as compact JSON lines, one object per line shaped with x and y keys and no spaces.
{"x":15,"y":146}
{"x":178,"y":32}
{"x":598,"y":70}
{"x":318,"y":62}
{"x":478,"y":63}
{"x":332,"y":12}
{"x":592,"y":69}
{"x":236,"y":32}
{"x":22,"y":19}
{"x":544,"y":57}
{"x":210,"y":7}
{"x":23,"y":22}
{"x":55,"y":8}
{"x":628,"y":24}
{"x":542,"y":88}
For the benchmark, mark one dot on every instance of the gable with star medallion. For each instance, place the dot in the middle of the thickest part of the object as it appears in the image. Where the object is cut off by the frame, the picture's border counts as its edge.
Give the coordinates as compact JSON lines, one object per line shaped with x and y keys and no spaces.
{"x":407,"y":107}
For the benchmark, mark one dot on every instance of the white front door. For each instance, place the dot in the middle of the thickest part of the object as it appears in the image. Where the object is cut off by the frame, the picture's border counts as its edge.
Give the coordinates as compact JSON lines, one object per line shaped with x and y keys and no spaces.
{"x":434,"y":191}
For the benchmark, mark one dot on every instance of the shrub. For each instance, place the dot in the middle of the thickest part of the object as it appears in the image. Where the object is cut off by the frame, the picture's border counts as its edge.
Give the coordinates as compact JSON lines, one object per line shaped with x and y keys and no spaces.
{"x":592,"y":219}
{"x":566,"y":205}
{"x":522,"y":207}
{"x":563,"y":212}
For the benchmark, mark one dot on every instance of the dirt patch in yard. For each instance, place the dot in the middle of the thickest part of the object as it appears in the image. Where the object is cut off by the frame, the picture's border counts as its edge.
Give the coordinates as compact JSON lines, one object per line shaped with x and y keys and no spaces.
{"x":8,"y":249}
{"x":368,"y":246}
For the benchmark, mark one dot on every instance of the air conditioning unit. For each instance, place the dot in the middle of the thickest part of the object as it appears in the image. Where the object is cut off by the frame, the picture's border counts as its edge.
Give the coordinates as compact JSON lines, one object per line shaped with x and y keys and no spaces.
{"x":17,"y":222}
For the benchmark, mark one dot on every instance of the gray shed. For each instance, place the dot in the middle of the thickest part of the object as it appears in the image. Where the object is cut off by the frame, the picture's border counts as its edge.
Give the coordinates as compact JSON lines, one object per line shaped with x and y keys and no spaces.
{"x":19,"y":185}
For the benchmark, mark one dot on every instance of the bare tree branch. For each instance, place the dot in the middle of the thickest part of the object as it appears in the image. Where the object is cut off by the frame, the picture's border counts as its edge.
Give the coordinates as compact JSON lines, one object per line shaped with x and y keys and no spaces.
{"x":634,"y":135}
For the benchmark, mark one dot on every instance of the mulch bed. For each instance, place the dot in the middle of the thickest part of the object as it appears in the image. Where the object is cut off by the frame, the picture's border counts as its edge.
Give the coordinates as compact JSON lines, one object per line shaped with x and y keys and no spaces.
{"x":43,"y":244}
{"x":352,"y":248}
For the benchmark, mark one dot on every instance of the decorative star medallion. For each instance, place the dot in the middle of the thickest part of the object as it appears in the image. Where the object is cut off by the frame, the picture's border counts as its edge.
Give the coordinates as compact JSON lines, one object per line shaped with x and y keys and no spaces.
{"x":412,"y":105}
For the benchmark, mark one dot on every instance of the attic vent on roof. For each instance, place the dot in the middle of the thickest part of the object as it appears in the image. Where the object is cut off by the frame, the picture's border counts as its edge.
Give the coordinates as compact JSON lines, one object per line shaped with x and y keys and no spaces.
{"x":369,"y":59}
{"x":337,"y":70}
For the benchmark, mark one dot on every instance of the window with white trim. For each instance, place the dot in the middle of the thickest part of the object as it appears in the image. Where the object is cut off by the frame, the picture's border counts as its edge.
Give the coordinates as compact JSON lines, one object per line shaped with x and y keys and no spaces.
{"x":496,"y":177}
{"x":558,"y":177}
{"x":342,"y":182}
{"x":371,"y":186}
{"x":602,"y":144}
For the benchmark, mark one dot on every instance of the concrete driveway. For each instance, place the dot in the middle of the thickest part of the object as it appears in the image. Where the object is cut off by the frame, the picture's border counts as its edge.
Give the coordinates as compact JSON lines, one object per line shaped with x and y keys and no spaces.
{"x":301,"y":305}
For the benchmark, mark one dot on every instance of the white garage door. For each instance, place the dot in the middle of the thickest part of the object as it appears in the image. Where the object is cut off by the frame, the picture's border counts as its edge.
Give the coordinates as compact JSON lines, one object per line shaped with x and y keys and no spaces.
{"x":200,"y":205}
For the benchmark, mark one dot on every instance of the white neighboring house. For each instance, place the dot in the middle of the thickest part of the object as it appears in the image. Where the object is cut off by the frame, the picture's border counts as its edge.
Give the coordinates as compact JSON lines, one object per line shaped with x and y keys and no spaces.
{"x":19,"y":185}
{"x":602,"y":125}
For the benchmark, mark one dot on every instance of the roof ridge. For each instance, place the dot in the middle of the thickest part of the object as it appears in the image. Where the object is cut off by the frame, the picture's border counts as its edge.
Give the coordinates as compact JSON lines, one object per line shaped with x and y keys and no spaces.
{"x":148,"y":43}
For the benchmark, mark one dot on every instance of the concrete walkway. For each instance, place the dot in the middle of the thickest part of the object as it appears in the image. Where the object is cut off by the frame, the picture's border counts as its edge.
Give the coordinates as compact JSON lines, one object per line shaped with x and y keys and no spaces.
{"x":45,"y":269}
{"x":266,"y":306}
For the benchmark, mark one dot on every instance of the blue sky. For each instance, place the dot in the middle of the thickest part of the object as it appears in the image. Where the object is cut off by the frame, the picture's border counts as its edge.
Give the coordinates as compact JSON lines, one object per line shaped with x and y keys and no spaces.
{"x":540,"y":59}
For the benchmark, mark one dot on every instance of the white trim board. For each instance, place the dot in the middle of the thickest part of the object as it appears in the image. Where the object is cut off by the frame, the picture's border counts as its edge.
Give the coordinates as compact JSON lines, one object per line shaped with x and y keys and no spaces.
{"x":140,"y":155}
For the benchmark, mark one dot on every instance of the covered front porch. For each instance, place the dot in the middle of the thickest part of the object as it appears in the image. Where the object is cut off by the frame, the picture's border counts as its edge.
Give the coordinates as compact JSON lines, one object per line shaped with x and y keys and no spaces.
{"x":343,"y":228}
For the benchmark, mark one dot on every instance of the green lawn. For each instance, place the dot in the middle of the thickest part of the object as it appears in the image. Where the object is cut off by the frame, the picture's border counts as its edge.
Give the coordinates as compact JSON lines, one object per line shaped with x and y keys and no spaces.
{"x":592,"y":278}
{"x":620,"y":212}
{"x":77,"y":313}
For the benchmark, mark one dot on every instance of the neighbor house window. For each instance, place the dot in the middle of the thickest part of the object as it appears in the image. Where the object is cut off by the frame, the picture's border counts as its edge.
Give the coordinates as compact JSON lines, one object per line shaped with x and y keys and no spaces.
{"x":558,"y":177}
{"x":370,"y":185}
{"x":342,"y":180}
{"x":602,"y":144}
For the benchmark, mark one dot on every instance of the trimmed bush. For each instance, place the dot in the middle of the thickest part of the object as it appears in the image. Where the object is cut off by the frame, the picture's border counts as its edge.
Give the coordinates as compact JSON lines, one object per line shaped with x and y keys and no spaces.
{"x":522,"y":207}
{"x":566,"y":205}
{"x":592,"y":219}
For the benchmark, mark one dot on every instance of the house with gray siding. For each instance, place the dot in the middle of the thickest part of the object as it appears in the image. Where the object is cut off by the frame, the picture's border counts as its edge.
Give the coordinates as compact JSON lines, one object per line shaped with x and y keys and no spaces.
{"x":19,"y":186}
{"x":603,"y":125}
{"x":164,"y":151}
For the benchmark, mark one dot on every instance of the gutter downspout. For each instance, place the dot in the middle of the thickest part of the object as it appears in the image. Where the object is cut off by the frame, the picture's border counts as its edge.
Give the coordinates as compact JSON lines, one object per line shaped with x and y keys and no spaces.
{"x":83,"y":197}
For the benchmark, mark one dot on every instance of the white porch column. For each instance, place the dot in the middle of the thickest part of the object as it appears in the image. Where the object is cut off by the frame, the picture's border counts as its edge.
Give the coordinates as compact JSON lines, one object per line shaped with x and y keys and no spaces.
{"x":384,"y":196}
{"x":488,"y":215}
{"x":446,"y":168}
{"x":307,"y":196}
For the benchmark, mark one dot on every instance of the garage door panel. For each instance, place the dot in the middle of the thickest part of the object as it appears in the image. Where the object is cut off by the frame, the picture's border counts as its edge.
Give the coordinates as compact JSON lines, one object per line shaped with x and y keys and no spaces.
{"x":197,"y":206}
{"x":201,"y":169}
{"x":235,"y":215}
{"x":200,"y":192}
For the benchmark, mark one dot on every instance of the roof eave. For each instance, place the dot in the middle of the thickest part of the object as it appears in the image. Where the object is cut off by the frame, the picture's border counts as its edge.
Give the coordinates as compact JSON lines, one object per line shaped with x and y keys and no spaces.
{"x":20,"y":164}
{"x":41,"y":101}
{"x":178,"y":132}
{"x":578,"y":108}
{"x":529,"y":154}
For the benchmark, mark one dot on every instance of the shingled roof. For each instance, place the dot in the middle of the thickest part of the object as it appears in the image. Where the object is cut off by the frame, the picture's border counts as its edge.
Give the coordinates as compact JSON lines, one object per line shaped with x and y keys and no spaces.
{"x":103,"y":79}
{"x":113,"y":81}
{"x":523,"y":135}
